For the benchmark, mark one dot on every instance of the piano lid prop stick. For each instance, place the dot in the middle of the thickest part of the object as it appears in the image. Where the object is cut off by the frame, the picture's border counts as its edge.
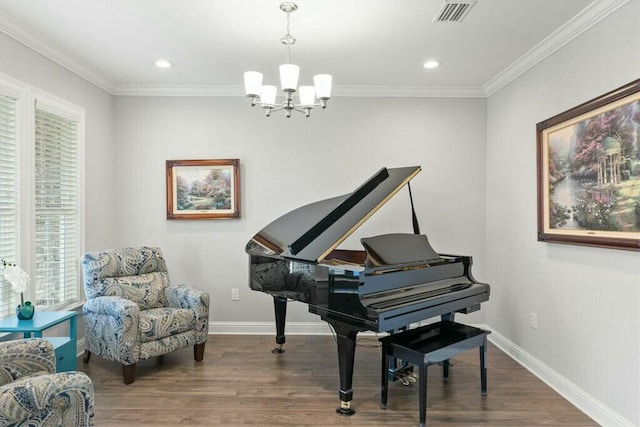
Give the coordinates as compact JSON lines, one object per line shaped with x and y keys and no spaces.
{"x":414,"y":218}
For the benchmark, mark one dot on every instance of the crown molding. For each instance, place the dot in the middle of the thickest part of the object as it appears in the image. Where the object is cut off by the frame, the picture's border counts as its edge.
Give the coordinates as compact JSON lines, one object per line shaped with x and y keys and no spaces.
{"x":179,"y":90}
{"x":587,"y":18}
{"x":591,"y":15}
{"x":30,"y":39}
{"x":409,"y":92}
{"x":338,"y":91}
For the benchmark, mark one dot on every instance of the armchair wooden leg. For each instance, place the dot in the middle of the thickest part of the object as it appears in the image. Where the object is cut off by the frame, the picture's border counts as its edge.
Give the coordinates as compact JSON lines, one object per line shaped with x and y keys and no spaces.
{"x":129,"y":373}
{"x":86,"y":357}
{"x":198,"y":352}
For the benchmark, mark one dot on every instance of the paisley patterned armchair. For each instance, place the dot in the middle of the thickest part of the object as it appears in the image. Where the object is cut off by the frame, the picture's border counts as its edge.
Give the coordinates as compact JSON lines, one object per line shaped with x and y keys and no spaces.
{"x":32,"y":394}
{"x":133,"y":313}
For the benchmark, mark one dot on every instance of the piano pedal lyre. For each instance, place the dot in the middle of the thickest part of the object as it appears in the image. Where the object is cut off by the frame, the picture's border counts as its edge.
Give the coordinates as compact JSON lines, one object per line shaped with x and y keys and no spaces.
{"x":408,"y":378}
{"x":404,"y":373}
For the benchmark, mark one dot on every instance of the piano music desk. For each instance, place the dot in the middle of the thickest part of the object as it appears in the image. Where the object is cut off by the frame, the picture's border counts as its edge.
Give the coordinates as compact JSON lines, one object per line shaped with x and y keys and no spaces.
{"x":430,"y":344}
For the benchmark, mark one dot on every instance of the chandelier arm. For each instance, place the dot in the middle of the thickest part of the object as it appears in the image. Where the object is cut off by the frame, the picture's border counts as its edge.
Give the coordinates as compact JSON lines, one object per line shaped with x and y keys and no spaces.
{"x":283,"y":106}
{"x":306,"y":111}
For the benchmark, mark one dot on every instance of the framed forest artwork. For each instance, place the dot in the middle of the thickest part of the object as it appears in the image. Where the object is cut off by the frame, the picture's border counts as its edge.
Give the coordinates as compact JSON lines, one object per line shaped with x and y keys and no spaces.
{"x":203,"y":189}
{"x":589,"y":172}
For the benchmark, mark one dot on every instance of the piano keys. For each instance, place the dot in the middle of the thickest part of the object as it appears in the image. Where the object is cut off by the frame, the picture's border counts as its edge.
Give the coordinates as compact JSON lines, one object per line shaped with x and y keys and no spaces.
{"x":398,"y":279}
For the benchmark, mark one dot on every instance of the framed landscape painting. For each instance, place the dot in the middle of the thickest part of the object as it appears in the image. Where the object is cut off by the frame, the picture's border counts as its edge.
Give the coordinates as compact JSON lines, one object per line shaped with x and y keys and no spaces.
{"x":589,"y":172}
{"x":203,"y":189}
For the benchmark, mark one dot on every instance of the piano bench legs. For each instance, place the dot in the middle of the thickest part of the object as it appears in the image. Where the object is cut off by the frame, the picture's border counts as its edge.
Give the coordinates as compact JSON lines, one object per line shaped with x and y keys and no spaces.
{"x":428,"y":345}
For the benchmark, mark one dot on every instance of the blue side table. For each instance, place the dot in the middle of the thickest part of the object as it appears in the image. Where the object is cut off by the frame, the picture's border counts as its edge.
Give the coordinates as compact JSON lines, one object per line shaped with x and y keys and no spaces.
{"x":65,"y":346}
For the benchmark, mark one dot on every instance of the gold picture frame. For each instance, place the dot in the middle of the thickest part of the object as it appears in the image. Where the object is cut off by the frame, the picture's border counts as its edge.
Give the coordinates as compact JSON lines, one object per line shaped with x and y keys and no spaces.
{"x":203,"y":189}
{"x":588,"y":164}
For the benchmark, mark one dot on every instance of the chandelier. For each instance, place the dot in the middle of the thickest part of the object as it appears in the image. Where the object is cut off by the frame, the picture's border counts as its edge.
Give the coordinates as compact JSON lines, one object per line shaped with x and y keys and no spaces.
{"x":265,"y":95}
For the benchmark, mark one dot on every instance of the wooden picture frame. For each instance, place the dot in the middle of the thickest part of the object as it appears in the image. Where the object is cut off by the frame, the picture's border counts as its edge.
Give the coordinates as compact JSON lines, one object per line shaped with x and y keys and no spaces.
{"x":203,"y":189}
{"x":588,"y":161}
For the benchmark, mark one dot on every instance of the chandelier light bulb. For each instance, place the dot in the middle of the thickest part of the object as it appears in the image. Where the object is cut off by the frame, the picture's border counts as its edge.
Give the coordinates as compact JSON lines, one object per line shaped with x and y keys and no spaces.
{"x":268,"y":95}
{"x":322,"y":83}
{"x":307,"y":95}
{"x":289,"y":77}
{"x":252,"y":83}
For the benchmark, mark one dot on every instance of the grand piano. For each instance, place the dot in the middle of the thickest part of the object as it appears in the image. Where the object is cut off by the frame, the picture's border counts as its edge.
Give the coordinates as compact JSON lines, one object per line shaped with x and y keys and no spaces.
{"x":398,"y":279}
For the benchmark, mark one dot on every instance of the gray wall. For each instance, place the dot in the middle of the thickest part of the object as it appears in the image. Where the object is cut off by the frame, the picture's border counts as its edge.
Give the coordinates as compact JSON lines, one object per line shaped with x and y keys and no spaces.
{"x":286,"y":163}
{"x":587,"y":299}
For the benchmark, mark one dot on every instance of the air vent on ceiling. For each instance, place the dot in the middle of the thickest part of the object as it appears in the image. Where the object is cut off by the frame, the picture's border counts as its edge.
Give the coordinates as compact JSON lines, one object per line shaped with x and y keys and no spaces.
{"x":453,"y":11}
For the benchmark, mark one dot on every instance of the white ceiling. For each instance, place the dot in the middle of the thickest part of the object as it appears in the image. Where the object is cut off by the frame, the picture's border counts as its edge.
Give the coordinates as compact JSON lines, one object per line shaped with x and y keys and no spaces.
{"x":374,"y":47}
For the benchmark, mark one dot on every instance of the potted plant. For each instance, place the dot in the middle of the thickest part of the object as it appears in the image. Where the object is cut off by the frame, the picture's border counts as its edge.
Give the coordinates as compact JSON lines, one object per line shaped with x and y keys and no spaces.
{"x":19,"y":280}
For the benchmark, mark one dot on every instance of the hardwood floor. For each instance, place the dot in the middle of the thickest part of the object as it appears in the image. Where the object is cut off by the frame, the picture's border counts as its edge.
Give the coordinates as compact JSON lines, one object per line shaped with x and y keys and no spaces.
{"x":241,"y":383}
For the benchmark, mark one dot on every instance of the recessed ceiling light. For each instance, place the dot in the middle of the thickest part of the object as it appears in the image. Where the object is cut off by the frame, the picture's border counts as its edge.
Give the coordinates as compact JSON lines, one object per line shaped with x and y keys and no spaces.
{"x":163,"y":63}
{"x":431,"y":64}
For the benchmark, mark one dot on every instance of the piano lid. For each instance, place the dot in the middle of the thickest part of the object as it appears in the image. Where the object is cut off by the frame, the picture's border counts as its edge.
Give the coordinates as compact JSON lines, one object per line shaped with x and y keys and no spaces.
{"x":311,"y":232}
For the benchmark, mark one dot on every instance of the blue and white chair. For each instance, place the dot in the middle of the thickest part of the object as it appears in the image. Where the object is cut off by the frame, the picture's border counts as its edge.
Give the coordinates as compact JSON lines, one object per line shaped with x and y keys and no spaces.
{"x":133,"y":313}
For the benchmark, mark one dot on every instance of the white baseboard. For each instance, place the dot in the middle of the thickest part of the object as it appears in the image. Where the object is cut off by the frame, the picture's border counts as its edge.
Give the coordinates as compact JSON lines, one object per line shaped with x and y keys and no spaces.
{"x":80,"y":345}
{"x":268,"y":328}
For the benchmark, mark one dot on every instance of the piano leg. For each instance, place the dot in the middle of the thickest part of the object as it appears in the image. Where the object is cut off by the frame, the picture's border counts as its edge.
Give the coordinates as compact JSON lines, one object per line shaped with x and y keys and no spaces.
{"x":280,"y":307}
{"x":346,"y":337}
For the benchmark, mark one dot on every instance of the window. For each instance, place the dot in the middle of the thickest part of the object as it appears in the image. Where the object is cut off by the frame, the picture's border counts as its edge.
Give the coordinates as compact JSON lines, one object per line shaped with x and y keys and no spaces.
{"x":41,"y":214}
{"x":57,"y":213}
{"x":8,"y":194}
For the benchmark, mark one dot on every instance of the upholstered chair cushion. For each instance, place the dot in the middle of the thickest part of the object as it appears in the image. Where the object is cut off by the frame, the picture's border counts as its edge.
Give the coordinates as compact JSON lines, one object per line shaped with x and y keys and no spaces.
{"x":21,"y":358}
{"x":31,"y":393}
{"x":146,"y":290}
{"x":163,"y":322}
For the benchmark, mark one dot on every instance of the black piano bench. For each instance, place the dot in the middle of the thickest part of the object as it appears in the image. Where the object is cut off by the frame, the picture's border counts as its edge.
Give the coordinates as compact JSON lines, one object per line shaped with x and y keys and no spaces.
{"x":430,"y":344}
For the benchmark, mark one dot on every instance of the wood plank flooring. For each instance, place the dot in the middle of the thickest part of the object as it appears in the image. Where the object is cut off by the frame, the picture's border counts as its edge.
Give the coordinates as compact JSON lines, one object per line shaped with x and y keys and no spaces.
{"x":241,"y":383}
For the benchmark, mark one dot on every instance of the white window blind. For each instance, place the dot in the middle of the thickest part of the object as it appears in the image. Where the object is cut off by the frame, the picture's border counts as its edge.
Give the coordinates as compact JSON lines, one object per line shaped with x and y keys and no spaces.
{"x":57,"y":209}
{"x":8,"y":198}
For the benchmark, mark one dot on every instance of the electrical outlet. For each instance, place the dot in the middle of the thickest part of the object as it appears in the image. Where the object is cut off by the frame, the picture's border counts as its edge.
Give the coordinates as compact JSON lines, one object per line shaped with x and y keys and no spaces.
{"x":534,"y":321}
{"x":235,"y":294}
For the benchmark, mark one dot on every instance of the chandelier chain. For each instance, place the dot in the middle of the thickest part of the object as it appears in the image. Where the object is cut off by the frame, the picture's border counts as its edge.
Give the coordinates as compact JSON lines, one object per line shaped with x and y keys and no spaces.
{"x":288,"y":39}
{"x":288,"y":23}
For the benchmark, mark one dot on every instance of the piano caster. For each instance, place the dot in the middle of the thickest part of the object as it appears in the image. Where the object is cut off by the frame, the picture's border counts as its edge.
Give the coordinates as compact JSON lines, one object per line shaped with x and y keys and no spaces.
{"x":345,"y":409}
{"x":278,"y":349}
